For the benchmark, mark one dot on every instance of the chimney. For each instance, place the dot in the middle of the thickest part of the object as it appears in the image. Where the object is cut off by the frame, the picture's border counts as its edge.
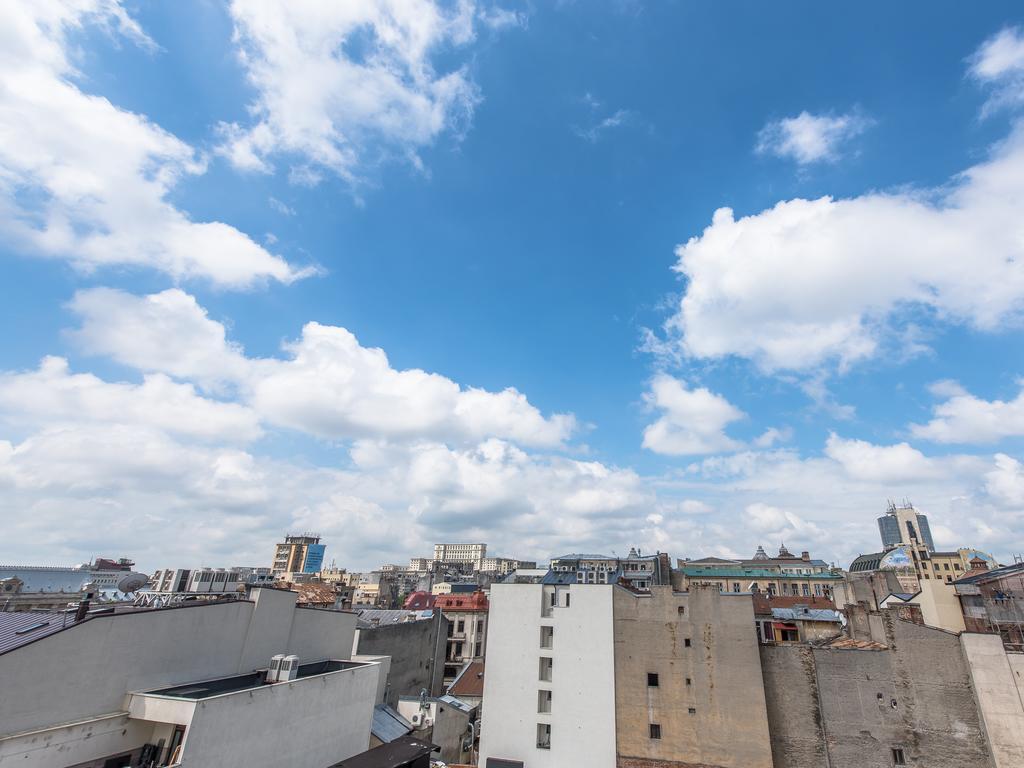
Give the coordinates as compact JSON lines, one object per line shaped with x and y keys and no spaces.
{"x":805,"y":555}
{"x":83,"y":609}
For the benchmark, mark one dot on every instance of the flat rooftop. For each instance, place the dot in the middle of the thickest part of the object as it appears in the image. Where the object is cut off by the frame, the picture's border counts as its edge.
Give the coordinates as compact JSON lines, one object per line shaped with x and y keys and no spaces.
{"x":208,"y":688}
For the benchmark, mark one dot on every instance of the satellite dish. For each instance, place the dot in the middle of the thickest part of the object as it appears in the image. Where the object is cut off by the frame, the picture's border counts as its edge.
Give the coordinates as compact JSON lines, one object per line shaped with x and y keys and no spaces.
{"x":131,"y":582}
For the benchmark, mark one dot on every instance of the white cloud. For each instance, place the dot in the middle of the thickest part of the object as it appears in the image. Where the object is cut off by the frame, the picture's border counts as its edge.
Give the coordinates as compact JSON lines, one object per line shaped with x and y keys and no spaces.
{"x":52,"y":395}
{"x":329,"y":385}
{"x":999,"y":63}
{"x":167,"y":332}
{"x":964,"y":418}
{"x":83,"y":180}
{"x":1005,"y":483}
{"x":809,"y":138}
{"x":339,"y":85}
{"x":692,"y":421}
{"x":882,"y":463}
{"x":502,"y":18}
{"x":809,"y":282}
{"x":595,"y":131}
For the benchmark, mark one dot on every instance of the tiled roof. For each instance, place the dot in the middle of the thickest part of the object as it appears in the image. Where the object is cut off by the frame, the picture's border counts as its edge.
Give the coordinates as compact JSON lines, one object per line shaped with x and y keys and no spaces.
{"x":19,"y":628}
{"x":981,"y":576}
{"x":475,"y":601}
{"x":470,"y":681}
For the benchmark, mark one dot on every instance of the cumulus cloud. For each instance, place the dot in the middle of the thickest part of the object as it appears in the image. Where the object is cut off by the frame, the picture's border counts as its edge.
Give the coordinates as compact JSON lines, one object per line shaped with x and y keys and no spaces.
{"x":86,"y":181}
{"x":340,"y":85}
{"x":999,"y":64}
{"x":1005,"y":483}
{"x":692,"y":421}
{"x":809,"y":138}
{"x":813,"y":282}
{"x":885,"y":463}
{"x":52,"y":395}
{"x":964,"y":418}
{"x":329,"y":385}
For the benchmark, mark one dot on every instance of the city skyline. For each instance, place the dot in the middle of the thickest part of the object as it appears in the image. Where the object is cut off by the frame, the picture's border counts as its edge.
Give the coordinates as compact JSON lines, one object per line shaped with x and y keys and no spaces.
{"x":553,"y":278}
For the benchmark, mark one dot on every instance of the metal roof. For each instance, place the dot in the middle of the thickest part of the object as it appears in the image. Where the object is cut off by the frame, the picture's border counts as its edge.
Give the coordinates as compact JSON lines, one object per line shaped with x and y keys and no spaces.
{"x":398,"y":753}
{"x":806,"y":614}
{"x":37,"y":579}
{"x":459,"y":704}
{"x":23,"y":627}
{"x":388,"y":725}
{"x":559,"y":577}
{"x":989,"y":575}
{"x":377,"y":617}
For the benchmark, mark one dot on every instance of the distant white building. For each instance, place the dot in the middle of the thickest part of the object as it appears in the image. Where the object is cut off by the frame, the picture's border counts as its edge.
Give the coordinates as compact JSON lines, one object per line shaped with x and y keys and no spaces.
{"x":186,"y":685}
{"x":473,"y":554}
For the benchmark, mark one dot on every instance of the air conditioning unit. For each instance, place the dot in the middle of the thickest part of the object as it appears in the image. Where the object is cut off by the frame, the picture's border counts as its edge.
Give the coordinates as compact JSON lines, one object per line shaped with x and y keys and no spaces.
{"x":417,"y":719}
{"x":274,"y":670}
{"x":289,"y":668}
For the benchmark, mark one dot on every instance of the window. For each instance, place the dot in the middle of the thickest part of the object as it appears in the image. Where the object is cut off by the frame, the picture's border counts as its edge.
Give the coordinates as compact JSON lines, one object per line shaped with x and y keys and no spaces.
{"x":461,"y":626}
{"x":543,"y":736}
{"x":547,"y":637}
{"x":796,"y":590}
{"x":652,"y":679}
{"x":945,"y":566}
{"x":546,"y":666}
{"x":544,"y":702}
{"x":898,"y":758}
{"x":735,"y":586}
{"x":817,"y":590}
{"x":807,"y":590}
{"x":566,"y":599}
{"x":682,"y":610}
{"x":692,"y":711}
{"x":686,"y":642}
{"x":655,"y":730}
{"x":689,"y":681}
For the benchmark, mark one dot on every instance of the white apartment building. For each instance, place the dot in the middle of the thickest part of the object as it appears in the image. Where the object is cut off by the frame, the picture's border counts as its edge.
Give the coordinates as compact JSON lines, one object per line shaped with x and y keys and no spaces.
{"x":185,"y":685}
{"x":461,"y":553}
{"x":550,"y":680}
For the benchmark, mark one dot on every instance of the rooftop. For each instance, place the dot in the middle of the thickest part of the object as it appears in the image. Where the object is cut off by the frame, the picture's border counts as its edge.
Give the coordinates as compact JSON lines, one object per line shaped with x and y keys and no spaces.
{"x":25,"y":626}
{"x":223,"y":685}
{"x":806,"y":614}
{"x":377,"y":617}
{"x":398,"y":754}
{"x":470,"y":681}
{"x":757,"y":573}
{"x":388,"y":725}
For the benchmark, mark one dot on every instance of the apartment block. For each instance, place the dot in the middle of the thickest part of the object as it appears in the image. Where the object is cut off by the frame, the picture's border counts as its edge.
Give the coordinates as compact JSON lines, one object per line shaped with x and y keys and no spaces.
{"x":605,"y":676}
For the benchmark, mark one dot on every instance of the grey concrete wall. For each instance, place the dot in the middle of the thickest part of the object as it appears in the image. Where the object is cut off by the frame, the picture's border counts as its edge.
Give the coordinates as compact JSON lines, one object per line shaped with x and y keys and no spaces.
{"x":709,"y":700}
{"x":832,"y":707}
{"x":997,"y":686}
{"x":417,"y":651}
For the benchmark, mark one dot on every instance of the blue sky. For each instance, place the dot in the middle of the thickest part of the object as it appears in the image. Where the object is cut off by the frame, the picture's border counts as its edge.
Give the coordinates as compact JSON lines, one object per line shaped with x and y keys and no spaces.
{"x":219,"y":218}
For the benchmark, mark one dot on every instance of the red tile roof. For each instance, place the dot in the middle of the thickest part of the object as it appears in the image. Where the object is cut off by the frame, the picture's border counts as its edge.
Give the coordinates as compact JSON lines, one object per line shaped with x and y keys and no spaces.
{"x":475,"y":602}
{"x":470,"y":682}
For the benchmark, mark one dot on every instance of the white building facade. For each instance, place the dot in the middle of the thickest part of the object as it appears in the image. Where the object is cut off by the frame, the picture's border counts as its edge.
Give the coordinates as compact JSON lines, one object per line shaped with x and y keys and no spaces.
{"x":550,"y":698}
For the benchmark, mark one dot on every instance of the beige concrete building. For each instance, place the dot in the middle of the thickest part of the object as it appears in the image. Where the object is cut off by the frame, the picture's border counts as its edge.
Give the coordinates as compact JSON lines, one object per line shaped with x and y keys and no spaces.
{"x":688,"y":687}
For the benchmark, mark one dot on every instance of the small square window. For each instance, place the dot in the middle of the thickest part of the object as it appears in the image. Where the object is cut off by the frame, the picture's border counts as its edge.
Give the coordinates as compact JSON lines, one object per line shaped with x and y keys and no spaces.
{"x":686,"y":642}
{"x":692,"y":711}
{"x":655,"y":730}
{"x":689,"y":681}
{"x":682,"y":610}
{"x":652,"y":679}
{"x":898,"y":758}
